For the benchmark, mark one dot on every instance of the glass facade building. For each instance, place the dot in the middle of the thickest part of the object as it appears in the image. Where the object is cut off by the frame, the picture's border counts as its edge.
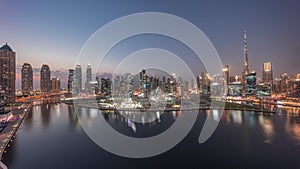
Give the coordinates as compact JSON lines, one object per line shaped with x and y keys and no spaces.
{"x":263,"y":89}
{"x":250,"y":80}
{"x":235,"y":89}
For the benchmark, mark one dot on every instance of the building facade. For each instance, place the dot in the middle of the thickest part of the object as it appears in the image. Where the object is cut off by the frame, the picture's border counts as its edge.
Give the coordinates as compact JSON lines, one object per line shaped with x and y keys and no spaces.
{"x":226,"y":74}
{"x":26,"y":79}
{"x":78,"y":79}
{"x":235,"y":89}
{"x":263,"y":90}
{"x":70,"y":81}
{"x":106,"y":87}
{"x":88,"y":79}
{"x":45,"y":82}
{"x":267,"y":73}
{"x":250,"y":84}
{"x":55,"y":85}
{"x":246,"y":64}
{"x":8,"y":72}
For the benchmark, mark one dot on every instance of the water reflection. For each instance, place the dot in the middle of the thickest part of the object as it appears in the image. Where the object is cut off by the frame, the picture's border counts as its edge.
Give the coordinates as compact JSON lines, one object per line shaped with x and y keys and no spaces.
{"x":131,"y":125}
{"x":236,"y":116}
{"x":251,"y":118}
{"x":125,"y":125}
{"x":293,"y":127}
{"x":28,"y":122}
{"x":72,"y":115}
{"x":268,"y":141}
{"x":45,"y":114}
{"x":142,"y":116}
{"x":268,"y":128}
{"x":73,"y":121}
{"x":216,"y":115}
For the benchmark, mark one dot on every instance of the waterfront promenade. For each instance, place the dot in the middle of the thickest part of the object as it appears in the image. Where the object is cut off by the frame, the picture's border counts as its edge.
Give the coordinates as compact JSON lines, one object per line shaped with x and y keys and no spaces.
{"x":218,"y":105}
{"x":8,"y":133}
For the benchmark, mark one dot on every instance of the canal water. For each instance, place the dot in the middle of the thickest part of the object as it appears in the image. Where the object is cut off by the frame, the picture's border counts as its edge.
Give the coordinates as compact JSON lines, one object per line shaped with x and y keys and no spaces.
{"x":51,"y":137}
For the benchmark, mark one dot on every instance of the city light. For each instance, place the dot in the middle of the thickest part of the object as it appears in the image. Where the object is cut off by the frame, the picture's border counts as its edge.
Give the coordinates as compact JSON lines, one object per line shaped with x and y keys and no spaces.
{"x":62,"y":99}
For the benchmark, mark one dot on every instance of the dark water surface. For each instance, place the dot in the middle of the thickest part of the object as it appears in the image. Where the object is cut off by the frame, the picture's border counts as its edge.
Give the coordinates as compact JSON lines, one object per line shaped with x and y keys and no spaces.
{"x":52,"y":138}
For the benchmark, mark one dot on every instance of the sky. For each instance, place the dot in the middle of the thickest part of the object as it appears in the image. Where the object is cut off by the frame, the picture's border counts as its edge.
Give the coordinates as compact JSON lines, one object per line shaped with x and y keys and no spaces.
{"x":53,"y":32}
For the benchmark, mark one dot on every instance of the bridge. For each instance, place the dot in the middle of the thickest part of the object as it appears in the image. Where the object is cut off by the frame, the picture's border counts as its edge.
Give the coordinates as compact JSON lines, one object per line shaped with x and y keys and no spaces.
{"x":41,"y":99}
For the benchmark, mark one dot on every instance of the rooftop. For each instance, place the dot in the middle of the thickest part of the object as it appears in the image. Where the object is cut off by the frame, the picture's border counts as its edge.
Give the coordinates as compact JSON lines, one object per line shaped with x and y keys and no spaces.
{"x":6,"y":47}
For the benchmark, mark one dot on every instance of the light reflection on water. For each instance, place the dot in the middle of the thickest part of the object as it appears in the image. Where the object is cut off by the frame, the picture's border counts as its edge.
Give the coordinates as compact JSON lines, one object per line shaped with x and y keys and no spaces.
{"x":268,"y":128}
{"x":265,"y":121}
{"x":238,"y":117}
{"x":53,"y":131}
{"x":293,"y":128}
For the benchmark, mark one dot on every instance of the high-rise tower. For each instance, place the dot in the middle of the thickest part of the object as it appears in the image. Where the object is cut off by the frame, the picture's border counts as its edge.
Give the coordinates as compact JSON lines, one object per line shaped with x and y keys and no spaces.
{"x":246,"y":67}
{"x":71,"y":81}
{"x":8,"y":72}
{"x":45,"y":82}
{"x":26,"y":79}
{"x":89,"y":73}
{"x":267,"y":74}
{"x":78,"y":78}
{"x":246,"y":64}
{"x":88,"y":77}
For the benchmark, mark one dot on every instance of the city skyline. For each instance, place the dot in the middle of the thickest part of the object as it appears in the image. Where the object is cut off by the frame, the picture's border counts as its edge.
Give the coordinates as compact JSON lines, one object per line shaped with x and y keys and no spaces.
{"x":271,"y":30}
{"x":159,"y":84}
{"x":63,"y":73}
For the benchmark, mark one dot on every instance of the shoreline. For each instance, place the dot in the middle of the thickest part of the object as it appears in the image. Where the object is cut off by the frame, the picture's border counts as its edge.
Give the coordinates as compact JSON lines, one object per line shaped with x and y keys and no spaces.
{"x":176,"y":109}
{"x":11,"y":130}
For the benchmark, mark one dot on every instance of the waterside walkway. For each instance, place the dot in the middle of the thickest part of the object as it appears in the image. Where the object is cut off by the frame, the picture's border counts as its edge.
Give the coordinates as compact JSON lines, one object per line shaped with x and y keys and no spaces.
{"x":6,"y":136}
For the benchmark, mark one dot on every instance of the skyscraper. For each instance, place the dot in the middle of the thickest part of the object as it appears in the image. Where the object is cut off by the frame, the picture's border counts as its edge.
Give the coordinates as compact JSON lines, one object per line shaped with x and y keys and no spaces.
{"x":198,"y":79}
{"x":267,"y":74}
{"x":144,"y":85}
{"x":106,"y":87}
{"x":250,"y":84}
{"x":55,"y":85}
{"x":89,"y":73}
{"x":226,"y":73}
{"x":116,"y":85}
{"x":45,"y":82}
{"x":26,"y":79}
{"x":226,"y":77}
{"x":88,"y":77}
{"x":246,"y":67}
{"x":78,"y":78}
{"x":8,"y":72}
{"x":163,"y":84}
{"x":192,"y":83}
{"x":283,"y":83}
{"x":70,"y":81}
{"x":246,"y":64}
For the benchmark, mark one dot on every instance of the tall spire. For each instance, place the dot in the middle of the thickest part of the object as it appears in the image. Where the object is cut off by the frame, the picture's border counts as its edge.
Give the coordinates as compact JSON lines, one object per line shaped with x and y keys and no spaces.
{"x":246,"y":68}
{"x":246,"y":65}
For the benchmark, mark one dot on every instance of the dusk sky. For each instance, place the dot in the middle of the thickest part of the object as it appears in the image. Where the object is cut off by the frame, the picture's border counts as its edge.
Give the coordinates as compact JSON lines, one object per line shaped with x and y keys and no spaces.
{"x":53,"y":32}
